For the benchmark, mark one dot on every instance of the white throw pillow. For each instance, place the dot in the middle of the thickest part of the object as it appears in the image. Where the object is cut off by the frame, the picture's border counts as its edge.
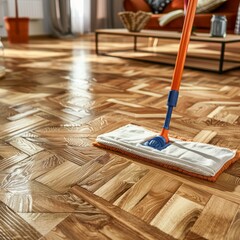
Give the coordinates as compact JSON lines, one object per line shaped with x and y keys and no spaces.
{"x":168,"y":17}
{"x":205,"y":6}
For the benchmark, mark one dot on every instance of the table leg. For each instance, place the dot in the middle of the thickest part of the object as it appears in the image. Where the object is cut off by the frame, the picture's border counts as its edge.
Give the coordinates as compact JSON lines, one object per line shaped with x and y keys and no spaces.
{"x":135,"y":43}
{"x":96,"y":43}
{"x":222,"y":58}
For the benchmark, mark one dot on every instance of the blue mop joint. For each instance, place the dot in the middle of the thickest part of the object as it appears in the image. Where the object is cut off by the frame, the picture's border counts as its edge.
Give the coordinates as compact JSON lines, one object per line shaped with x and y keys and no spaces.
{"x":162,"y":141}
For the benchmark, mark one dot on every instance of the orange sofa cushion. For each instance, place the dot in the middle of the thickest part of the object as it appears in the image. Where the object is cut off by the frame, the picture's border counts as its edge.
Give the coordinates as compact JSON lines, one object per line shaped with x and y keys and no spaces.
{"x":202,"y":21}
{"x":174,"y":5}
{"x":228,"y":7}
{"x":137,"y":5}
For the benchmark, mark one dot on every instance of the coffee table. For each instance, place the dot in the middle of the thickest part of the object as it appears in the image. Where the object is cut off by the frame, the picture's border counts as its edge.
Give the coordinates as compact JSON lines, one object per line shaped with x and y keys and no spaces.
{"x":218,"y":64}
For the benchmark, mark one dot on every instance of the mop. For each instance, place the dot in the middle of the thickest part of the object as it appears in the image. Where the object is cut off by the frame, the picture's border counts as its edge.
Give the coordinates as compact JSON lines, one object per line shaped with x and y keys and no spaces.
{"x":196,"y":159}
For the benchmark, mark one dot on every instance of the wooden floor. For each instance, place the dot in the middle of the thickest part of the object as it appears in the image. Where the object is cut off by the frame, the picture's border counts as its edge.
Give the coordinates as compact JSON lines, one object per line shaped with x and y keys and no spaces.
{"x":57,"y":96}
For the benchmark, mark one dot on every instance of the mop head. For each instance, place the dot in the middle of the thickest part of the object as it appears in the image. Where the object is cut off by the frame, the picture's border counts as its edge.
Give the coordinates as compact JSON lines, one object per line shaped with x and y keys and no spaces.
{"x":200,"y":160}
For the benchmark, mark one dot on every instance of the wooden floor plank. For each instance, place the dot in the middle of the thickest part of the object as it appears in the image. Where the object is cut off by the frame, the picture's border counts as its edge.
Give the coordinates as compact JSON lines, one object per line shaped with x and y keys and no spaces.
{"x":32,"y":197}
{"x":177,"y":216}
{"x":44,"y":222}
{"x":234,"y":230}
{"x":7,"y":151}
{"x":68,"y":173}
{"x":147,"y":231}
{"x":158,"y":195}
{"x":71,"y":228}
{"x":121,"y":182}
{"x":104,"y":174}
{"x":130,"y":198}
{"x":8,"y":162}
{"x":28,"y":169}
{"x":96,"y":223}
{"x":25,"y":146}
{"x":151,"y":181}
{"x":14,"y":227}
{"x":213,"y":222}
{"x":193,"y":194}
{"x":20,"y":125}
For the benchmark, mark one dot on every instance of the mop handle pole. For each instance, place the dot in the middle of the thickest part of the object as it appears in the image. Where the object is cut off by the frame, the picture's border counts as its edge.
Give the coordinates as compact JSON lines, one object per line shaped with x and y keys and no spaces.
{"x":184,"y":41}
{"x":190,"y":6}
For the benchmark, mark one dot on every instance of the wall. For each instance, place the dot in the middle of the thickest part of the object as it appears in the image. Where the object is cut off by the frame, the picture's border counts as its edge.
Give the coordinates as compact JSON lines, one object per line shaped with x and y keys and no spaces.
{"x":37,"y":27}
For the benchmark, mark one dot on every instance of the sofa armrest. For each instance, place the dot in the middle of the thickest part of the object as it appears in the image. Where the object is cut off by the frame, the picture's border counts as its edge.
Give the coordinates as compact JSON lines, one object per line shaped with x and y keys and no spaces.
{"x":136,"y":5}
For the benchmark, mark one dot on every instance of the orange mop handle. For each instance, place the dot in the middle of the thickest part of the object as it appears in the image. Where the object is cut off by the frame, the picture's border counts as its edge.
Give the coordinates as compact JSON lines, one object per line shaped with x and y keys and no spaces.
{"x":184,"y":41}
{"x":180,"y":61}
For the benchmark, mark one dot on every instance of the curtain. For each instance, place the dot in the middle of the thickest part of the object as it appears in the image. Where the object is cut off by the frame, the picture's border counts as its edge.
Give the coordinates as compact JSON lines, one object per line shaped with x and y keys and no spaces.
{"x":88,"y":15}
{"x":80,"y":16}
{"x":237,"y":26}
{"x":71,"y":17}
{"x":61,"y":17}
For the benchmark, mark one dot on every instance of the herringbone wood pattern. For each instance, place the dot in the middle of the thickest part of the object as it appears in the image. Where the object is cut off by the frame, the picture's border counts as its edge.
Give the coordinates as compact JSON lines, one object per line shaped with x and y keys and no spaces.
{"x":57,"y":96}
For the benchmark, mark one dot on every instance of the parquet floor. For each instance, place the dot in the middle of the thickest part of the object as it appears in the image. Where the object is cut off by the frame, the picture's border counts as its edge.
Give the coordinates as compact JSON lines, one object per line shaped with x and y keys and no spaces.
{"x":57,"y":96}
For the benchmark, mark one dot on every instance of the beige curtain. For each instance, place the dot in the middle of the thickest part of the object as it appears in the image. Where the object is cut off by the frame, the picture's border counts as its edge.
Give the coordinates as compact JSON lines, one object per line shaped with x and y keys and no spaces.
{"x":89,"y":15}
{"x":237,"y":26}
{"x":61,"y":17}
{"x":71,"y":17}
{"x":104,"y":14}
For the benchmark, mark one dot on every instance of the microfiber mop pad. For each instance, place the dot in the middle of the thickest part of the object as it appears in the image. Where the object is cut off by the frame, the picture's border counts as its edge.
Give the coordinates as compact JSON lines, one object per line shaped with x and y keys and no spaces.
{"x":193,"y":158}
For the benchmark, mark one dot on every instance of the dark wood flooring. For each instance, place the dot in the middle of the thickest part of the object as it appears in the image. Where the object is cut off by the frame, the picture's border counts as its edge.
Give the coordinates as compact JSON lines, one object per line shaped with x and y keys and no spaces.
{"x":57,"y":96}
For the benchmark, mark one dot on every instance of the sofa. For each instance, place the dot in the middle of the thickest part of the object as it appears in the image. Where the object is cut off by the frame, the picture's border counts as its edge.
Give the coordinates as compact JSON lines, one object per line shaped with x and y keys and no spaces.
{"x":202,"y":21}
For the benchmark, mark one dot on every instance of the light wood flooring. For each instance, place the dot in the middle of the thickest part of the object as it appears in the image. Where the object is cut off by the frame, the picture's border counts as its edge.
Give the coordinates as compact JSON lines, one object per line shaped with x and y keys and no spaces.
{"x":57,"y":96}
